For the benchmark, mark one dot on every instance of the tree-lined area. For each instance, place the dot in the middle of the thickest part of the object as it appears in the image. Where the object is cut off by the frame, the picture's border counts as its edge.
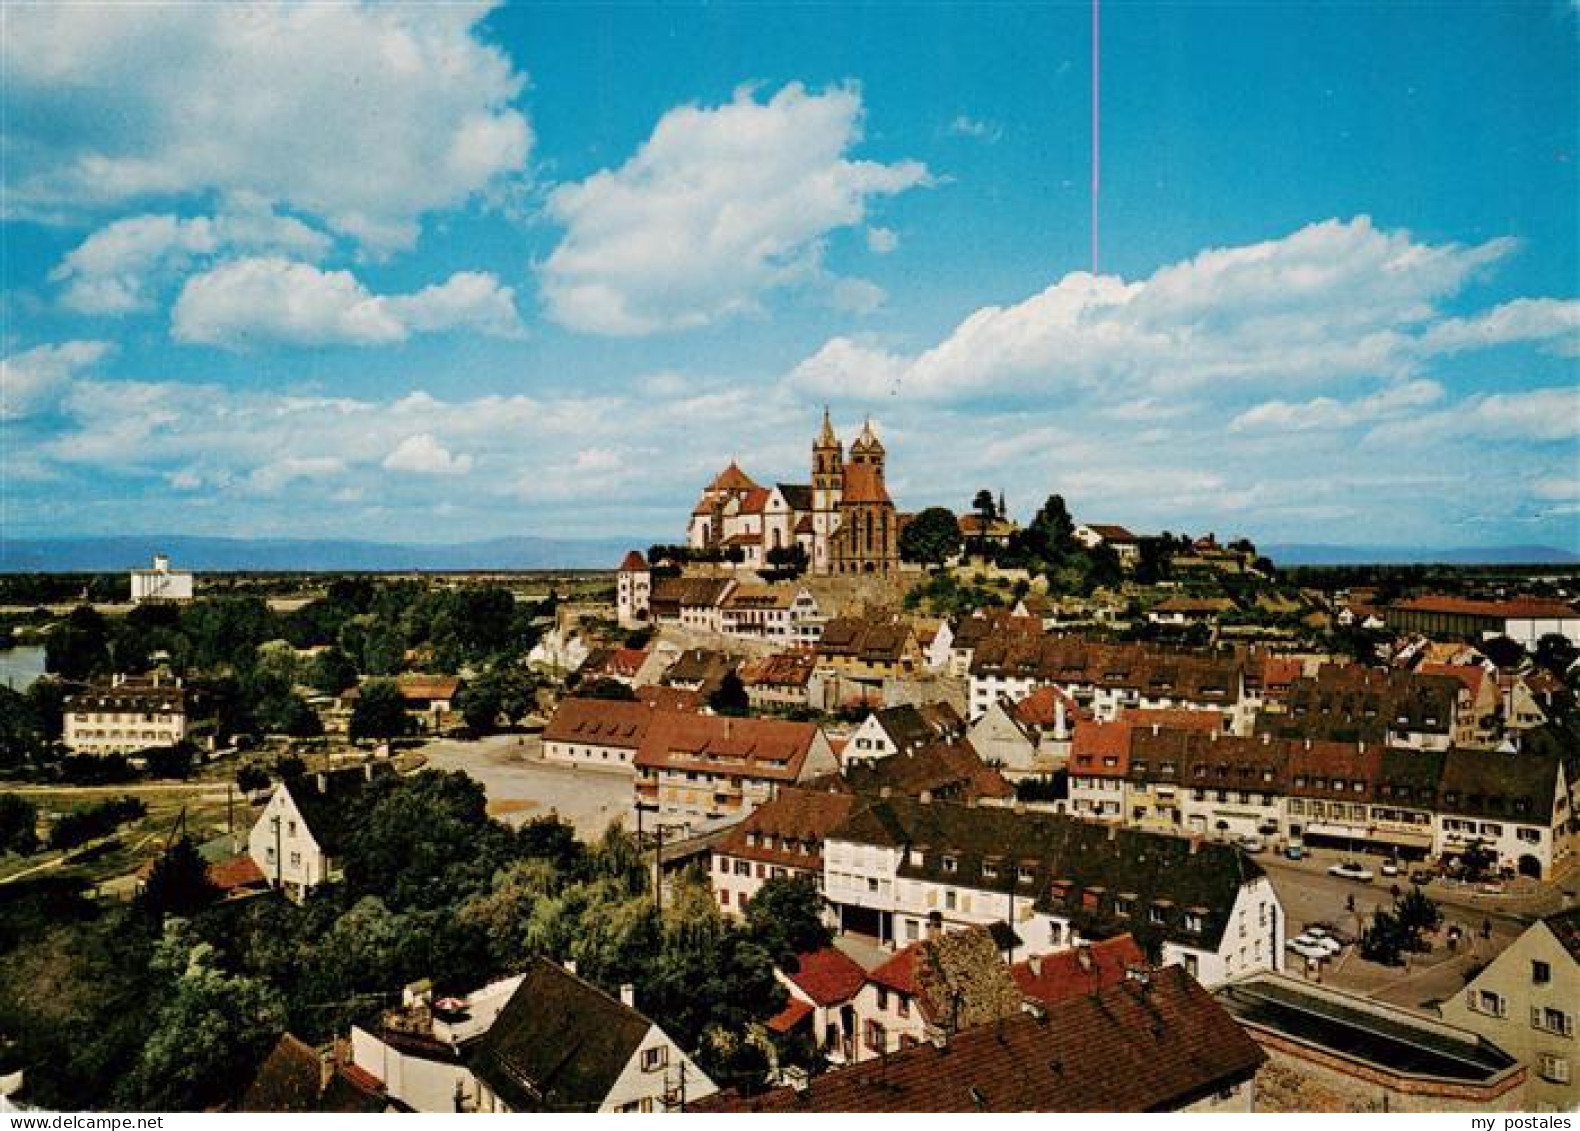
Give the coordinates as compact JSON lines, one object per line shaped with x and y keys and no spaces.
{"x":250,"y":670}
{"x":181,"y":995}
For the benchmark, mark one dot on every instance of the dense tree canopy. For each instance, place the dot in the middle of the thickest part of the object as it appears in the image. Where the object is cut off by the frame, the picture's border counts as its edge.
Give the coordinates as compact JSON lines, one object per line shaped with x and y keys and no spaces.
{"x":931,"y":538}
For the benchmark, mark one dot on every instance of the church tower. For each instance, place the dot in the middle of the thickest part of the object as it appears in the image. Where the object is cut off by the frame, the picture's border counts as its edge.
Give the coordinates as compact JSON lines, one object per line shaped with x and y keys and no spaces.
{"x":828,"y":462}
{"x":867,"y":449}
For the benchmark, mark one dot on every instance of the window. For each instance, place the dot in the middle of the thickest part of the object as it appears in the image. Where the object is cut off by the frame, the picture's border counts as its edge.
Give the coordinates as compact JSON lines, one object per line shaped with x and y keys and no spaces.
{"x":902,"y":1005}
{"x":876,"y":1037}
{"x":1193,"y":922}
{"x":951,"y":864}
{"x":1024,"y":874}
{"x":655,"y":1058}
{"x":743,"y":868}
{"x":1541,"y":973}
{"x":1550,"y":1020}
{"x":1485,"y":1001}
{"x":1191,"y":964}
{"x":949,"y":900}
{"x":1554,"y":1068}
{"x":1529,"y":836}
{"x":990,"y":871}
{"x":296,"y":859}
{"x":883,"y":997}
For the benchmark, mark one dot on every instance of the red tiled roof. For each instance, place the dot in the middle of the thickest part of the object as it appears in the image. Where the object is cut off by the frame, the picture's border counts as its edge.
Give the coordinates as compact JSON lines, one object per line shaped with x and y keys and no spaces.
{"x":754,"y":502}
{"x":1080,"y":970}
{"x":633,"y":561}
{"x":237,"y":872}
{"x":828,"y":976}
{"x":795,"y":817}
{"x":775,"y":749}
{"x":1128,"y":1048}
{"x":794,"y":1012}
{"x":899,"y":972}
{"x":863,"y":484}
{"x":732,"y":478}
{"x":361,"y":1077}
{"x":1040,"y":708}
{"x":1514,"y":608}
{"x":1094,"y":742}
{"x":626,"y":661}
{"x":1174,"y":718}
{"x":600,"y":722}
{"x":783,"y":669}
{"x":1470,"y":675}
{"x":1110,"y":533}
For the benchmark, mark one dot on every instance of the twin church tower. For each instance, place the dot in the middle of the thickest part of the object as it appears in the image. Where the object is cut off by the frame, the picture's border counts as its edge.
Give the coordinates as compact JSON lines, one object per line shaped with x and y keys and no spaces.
{"x":844,"y":521}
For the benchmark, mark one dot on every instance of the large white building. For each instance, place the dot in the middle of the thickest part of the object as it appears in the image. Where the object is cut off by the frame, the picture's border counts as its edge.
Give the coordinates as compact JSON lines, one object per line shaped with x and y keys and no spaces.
{"x":133,"y":713}
{"x":900,"y":867}
{"x":161,"y":583}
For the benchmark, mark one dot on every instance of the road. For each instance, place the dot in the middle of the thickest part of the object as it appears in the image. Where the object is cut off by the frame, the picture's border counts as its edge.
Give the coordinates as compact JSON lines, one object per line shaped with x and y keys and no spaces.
{"x":1310,"y":895}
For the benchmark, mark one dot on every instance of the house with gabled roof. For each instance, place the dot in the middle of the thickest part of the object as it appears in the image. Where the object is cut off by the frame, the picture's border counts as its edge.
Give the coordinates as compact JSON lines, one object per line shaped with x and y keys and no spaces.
{"x":596,"y":732}
{"x":299,"y":840}
{"x":821,"y":1004}
{"x":705,"y":771}
{"x":904,"y":729}
{"x":780,"y":839}
{"x":1527,"y":1001}
{"x":901,"y":866}
{"x":560,"y":1044}
{"x":1153,"y":1043}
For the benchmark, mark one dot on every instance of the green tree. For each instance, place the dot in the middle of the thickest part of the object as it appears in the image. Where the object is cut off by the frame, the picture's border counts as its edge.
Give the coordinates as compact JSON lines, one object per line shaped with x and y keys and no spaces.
{"x":380,"y":712}
{"x":18,"y":825}
{"x":931,"y":538}
{"x":785,"y":918}
{"x":251,"y":777}
{"x":1417,"y":912}
{"x":204,"y":1037}
{"x":1385,"y":941}
{"x":730,"y":697}
{"x":178,"y":883}
{"x":332,"y":672}
{"x":425,"y":842}
{"x":78,"y":648}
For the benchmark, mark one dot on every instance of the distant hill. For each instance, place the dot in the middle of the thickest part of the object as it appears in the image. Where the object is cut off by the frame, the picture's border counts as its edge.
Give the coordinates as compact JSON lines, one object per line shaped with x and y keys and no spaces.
{"x":1296,"y":554}
{"x":81,"y":555}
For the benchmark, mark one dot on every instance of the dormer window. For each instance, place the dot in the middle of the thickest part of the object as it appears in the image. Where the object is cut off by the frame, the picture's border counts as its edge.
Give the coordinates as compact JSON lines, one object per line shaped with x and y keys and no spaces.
{"x":951,"y":864}
{"x":989,"y":870}
{"x":1193,"y":922}
{"x":1025,"y":873}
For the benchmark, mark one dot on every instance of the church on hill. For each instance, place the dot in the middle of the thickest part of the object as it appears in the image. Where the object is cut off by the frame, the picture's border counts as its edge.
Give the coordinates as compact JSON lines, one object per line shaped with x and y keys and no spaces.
{"x":843,"y":520}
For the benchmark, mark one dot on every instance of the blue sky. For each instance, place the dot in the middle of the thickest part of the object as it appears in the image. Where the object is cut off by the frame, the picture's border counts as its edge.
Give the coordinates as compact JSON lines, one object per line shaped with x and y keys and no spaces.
{"x":452,"y":272}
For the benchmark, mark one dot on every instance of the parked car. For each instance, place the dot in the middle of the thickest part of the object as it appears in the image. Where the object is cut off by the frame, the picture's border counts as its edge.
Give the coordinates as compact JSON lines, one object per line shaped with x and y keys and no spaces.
{"x":1350,"y":870}
{"x":1390,"y":867}
{"x":1295,"y":852}
{"x":1250,"y":843}
{"x":1422,"y":876}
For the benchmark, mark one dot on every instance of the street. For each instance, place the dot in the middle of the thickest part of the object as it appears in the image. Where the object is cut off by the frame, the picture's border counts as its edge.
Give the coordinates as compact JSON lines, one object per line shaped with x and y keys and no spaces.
{"x":1310,"y":895}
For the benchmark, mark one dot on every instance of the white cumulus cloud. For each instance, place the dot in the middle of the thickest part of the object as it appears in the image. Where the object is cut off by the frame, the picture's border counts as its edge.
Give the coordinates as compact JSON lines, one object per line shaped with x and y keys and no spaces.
{"x":32,"y":380}
{"x":365,"y":115}
{"x":426,"y":456}
{"x":719,"y":206}
{"x":115,"y":269}
{"x":271,"y":299}
{"x":1333,"y":300}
